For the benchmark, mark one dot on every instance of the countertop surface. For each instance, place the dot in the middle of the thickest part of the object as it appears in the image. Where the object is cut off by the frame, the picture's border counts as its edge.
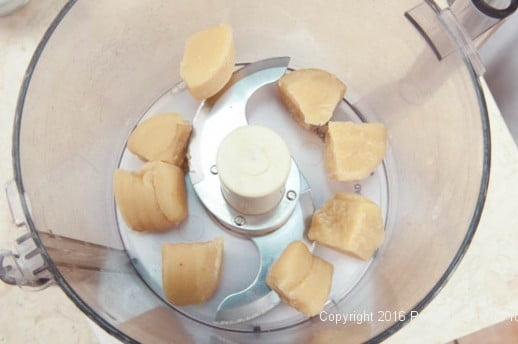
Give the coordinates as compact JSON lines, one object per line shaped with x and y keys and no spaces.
{"x":483,"y":290}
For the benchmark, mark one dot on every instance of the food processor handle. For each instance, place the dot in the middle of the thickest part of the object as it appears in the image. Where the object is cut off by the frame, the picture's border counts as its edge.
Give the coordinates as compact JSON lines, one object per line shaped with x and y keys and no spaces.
{"x":489,"y":8}
{"x":467,"y":23}
{"x":479,"y":16}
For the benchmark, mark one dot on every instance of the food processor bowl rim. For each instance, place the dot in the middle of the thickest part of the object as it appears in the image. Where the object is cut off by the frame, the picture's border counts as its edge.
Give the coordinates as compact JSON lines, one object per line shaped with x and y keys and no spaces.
{"x":86,"y":309}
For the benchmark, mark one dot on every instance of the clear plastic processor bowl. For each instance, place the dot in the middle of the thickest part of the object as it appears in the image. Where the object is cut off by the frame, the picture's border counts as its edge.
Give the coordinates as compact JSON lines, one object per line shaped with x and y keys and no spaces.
{"x":104,"y":65}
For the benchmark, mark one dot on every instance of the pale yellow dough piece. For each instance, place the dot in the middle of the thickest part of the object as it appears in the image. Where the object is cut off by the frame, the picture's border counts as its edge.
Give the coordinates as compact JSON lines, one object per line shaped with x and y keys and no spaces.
{"x":135,"y":196}
{"x":191,"y":271}
{"x":152,"y":199}
{"x":311,"y":95}
{"x":291,"y":268}
{"x":310,"y":296}
{"x":170,"y":191}
{"x":301,"y":280}
{"x":208,"y":61}
{"x":161,"y":137}
{"x":349,"y":223}
{"x":354,"y":150}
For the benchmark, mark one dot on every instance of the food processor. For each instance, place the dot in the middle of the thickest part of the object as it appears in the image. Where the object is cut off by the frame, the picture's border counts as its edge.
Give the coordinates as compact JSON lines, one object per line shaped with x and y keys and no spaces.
{"x":103,"y":67}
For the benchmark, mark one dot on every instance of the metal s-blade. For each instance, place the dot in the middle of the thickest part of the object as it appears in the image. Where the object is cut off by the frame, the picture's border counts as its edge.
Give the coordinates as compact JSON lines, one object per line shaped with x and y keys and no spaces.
{"x":258,"y":298}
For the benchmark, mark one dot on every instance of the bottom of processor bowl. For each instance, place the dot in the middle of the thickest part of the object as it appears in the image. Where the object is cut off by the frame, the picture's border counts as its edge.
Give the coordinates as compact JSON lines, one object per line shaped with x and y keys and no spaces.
{"x":241,"y":258}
